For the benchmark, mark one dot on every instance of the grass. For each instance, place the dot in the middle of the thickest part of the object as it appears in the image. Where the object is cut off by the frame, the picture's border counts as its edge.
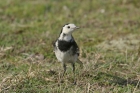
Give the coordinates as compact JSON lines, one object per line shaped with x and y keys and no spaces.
{"x":108,"y":40}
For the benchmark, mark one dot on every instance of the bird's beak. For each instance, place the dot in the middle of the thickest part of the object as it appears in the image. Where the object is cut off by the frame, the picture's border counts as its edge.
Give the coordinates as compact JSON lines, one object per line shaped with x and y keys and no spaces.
{"x":77,"y":27}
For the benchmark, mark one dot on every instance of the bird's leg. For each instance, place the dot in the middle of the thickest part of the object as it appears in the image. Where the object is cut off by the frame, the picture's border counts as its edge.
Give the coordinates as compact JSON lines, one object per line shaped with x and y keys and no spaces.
{"x":73,"y":68}
{"x":62,"y":74}
{"x":64,"y":67}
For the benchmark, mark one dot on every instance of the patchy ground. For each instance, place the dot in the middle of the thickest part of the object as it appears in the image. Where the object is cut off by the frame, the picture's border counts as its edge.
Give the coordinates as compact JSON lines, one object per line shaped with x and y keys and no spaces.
{"x":109,"y":41}
{"x":128,"y":42}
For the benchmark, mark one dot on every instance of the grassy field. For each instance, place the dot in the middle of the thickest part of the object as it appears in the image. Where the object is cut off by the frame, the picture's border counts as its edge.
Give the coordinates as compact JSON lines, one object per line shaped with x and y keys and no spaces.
{"x":109,"y":41}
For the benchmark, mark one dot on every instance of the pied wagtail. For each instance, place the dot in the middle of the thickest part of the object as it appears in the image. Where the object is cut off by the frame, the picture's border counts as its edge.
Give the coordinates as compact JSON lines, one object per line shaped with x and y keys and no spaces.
{"x":65,"y":47}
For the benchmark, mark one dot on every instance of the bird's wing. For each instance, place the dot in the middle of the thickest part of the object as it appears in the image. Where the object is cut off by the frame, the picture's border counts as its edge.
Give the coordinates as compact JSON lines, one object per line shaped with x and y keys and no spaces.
{"x":75,"y":48}
{"x":53,"y":44}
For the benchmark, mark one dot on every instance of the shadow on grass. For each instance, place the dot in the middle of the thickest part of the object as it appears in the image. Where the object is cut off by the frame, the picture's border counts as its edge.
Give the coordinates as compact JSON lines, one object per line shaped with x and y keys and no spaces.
{"x":106,"y":78}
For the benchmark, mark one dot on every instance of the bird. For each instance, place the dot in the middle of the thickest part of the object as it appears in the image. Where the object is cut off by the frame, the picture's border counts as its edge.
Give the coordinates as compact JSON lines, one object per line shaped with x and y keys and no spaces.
{"x":66,"y":49}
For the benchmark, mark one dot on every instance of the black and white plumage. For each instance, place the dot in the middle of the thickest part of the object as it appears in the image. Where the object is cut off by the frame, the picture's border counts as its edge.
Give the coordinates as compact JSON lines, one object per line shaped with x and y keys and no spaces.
{"x":65,"y":47}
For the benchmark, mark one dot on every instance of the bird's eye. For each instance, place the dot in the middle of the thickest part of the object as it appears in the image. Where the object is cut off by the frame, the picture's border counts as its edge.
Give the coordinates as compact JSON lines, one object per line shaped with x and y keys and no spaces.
{"x":68,"y":27}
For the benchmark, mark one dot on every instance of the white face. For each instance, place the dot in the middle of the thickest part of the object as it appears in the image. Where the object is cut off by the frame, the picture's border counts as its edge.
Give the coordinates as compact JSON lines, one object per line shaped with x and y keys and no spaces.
{"x":69,"y":28}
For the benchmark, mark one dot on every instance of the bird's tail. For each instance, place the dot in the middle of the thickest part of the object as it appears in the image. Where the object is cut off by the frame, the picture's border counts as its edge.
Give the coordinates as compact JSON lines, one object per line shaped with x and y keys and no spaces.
{"x":80,"y":63}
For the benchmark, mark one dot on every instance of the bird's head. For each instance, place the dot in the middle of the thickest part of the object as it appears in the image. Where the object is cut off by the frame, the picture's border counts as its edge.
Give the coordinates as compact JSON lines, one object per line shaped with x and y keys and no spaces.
{"x":69,"y":28}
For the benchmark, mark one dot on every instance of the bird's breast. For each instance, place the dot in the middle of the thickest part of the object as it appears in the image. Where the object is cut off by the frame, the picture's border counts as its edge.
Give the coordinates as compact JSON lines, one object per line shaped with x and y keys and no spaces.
{"x":64,"y":45}
{"x":65,"y":56}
